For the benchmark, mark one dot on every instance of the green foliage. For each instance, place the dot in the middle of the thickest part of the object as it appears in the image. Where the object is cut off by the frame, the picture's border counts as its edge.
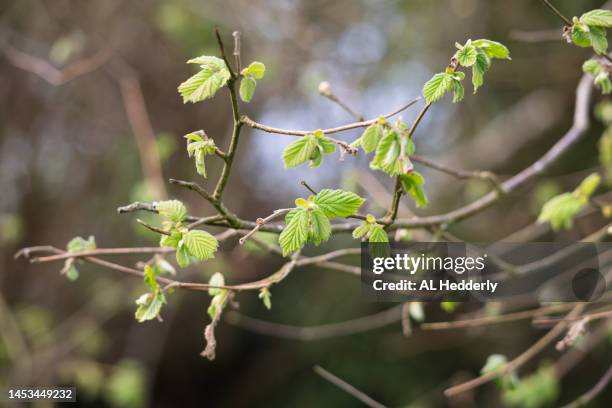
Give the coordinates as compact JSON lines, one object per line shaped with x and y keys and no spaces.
{"x":310,"y":220}
{"x":256,"y":70}
{"x":219,"y":296}
{"x":440,"y":84}
{"x":150,"y":304}
{"x":338,"y":203}
{"x":199,"y":145}
{"x":493,"y":49}
{"x":310,"y":147}
{"x":600,"y":70}
{"x":561,"y":210}
{"x":494,"y":363}
{"x":174,"y":210}
{"x":590,"y":30}
{"x":200,"y":244}
{"x":392,"y":154}
{"x":205,"y":84}
{"x":537,"y":390}
{"x":371,"y":136}
{"x":266,"y":297}
{"x":76,"y":245}
{"x":413,"y":186}
{"x":467,"y":53}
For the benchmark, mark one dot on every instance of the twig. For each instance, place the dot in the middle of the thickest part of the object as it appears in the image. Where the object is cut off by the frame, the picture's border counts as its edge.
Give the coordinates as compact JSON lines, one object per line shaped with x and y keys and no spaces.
{"x":557,"y":13}
{"x":223,"y":56}
{"x":152,"y":227}
{"x":593,"y":392}
{"x":236,"y":35}
{"x":102,"y":251}
{"x":519,"y":360}
{"x":461,"y":174}
{"x":261,"y":221}
{"x":326,"y":91}
{"x":251,"y":123}
{"x":313,"y":191}
{"x":535,"y":36}
{"x":343,"y":385}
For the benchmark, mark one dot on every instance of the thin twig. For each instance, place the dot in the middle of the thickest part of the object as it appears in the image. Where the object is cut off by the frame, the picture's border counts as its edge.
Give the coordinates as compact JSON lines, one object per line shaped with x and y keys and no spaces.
{"x":262,"y":221}
{"x":343,"y":385}
{"x":590,"y":395}
{"x":557,"y":13}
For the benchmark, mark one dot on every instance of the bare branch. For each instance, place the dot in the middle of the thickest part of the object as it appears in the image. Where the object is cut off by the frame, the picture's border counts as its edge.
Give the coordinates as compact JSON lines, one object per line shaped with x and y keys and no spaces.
{"x":343,"y":385}
{"x":262,"y":221}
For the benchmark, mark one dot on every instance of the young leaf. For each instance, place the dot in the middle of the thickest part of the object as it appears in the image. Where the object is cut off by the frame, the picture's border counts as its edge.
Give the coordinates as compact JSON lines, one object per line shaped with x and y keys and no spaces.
{"x":362,"y":230}
{"x":295,"y":234}
{"x":207,"y":82}
{"x":580,"y":35}
{"x":338,"y":203}
{"x":174,"y":210}
{"x":598,"y":40}
{"x":200,"y":244}
{"x":72,"y":273}
{"x":216,"y":279}
{"x":466,"y":55}
{"x":598,"y":17}
{"x":320,"y":227}
{"x":540,"y":389}
{"x":150,"y":278}
{"x":247,"y":88}
{"x":256,"y":69}
{"x":265,"y":296}
{"x":149,"y":306}
{"x":480,"y":67}
{"x":560,"y":211}
{"x":458,"y":91}
{"x":592,"y":67}
{"x":588,"y":186}
{"x":603,"y":83}
{"x":370,"y":137}
{"x":437,"y":87}
{"x":299,"y":151}
{"x":78,"y":244}
{"x":378,"y":234}
{"x":171,"y":240}
{"x":413,"y":185}
{"x":493,"y":49}
{"x":182,"y":255}
{"x":387,"y":154}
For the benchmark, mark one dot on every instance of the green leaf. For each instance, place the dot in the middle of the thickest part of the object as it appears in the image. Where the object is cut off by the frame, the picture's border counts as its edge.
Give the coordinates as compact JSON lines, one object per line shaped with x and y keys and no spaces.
{"x":581,"y":36}
{"x":466,"y":55}
{"x":79,"y":244}
{"x":598,"y":40}
{"x":295,"y":234}
{"x":149,"y":306}
{"x":493,"y":49}
{"x":207,"y":82}
{"x":481,"y":66}
{"x":174,"y":210}
{"x":588,"y":186}
{"x":200,"y":163}
{"x":256,"y":69}
{"x":338,"y":203}
{"x":182,"y":255}
{"x":413,"y":185}
{"x":387,"y":154}
{"x":598,"y":17}
{"x":449,"y":306}
{"x":535,"y":391}
{"x":378,"y":234}
{"x":603,"y":83}
{"x":437,"y":87}
{"x":370,"y":137}
{"x":494,"y":363}
{"x":72,"y":273}
{"x":171,"y":240}
{"x":320,"y":227}
{"x":266,"y":297}
{"x":362,"y":230}
{"x":299,"y":151}
{"x":217,"y":304}
{"x":592,"y":67}
{"x":200,"y":244}
{"x":216,"y":279}
{"x":164,"y":267}
{"x":150,"y":278}
{"x":247,"y":88}
{"x":458,"y":91}
{"x":561,"y":210}
{"x":327,"y":145}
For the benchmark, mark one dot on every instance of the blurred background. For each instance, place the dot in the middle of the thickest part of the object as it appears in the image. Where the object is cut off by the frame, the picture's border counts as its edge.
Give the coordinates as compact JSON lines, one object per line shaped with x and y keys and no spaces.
{"x":85,"y":133}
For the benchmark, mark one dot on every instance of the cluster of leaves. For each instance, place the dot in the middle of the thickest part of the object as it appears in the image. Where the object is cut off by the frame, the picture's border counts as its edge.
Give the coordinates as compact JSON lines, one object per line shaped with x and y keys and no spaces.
{"x":600,"y":70}
{"x":219,"y":296}
{"x":473,"y":54}
{"x":371,"y":230}
{"x":392,"y":147}
{"x":310,"y":147}
{"x":150,"y":303}
{"x":255,"y":70}
{"x":537,"y":390}
{"x":199,"y":145}
{"x":214,"y":74}
{"x":590,"y":30}
{"x":190,"y":244}
{"x":310,"y":220}
{"x":76,"y":245}
{"x":561,"y":210}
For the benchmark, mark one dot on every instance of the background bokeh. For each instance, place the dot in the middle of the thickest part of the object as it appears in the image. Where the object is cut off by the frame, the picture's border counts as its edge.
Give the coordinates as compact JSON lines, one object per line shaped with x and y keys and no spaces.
{"x":69,"y":158}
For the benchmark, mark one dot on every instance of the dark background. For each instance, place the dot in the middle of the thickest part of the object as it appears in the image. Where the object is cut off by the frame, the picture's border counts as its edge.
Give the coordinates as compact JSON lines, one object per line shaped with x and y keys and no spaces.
{"x":69,"y":158}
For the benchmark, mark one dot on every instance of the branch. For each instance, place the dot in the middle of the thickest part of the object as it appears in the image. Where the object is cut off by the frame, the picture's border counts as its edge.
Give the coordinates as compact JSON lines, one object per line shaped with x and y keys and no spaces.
{"x":262,"y":221}
{"x":524,"y":357}
{"x":251,"y":123}
{"x":597,"y":389}
{"x":343,"y":385}
{"x":460,"y":174}
{"x":326,"y":91}
{"x":557,"y":13}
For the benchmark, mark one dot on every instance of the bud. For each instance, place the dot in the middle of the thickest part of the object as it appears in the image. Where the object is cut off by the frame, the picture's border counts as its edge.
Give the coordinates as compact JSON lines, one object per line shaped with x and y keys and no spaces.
{"x":325,"y":88}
